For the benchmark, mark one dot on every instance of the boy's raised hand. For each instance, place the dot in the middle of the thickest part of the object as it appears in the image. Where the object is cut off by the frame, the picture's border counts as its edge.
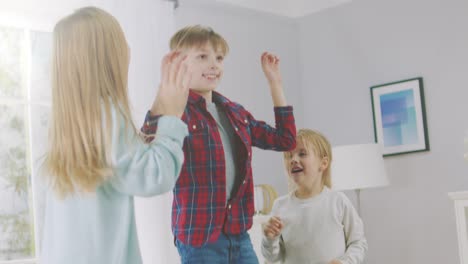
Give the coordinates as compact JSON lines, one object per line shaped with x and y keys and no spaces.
{"x":174,"y":87}
{"x":270,"y":67}
{"x":272,"y":228}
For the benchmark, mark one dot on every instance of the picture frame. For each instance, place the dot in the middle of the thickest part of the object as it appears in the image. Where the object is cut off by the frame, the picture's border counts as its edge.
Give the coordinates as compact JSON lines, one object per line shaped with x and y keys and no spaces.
{"x":399,"y":114}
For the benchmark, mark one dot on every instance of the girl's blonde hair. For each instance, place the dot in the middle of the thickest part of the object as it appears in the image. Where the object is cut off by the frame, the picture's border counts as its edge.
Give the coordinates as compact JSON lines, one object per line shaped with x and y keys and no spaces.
{"x":197,"y":36}
{"x":319,"y":144}
{"x":89,"y":76}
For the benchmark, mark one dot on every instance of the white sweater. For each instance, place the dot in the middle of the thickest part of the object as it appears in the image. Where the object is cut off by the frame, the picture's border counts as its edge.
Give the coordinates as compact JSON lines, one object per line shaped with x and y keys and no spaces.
{"x":317,"y":230}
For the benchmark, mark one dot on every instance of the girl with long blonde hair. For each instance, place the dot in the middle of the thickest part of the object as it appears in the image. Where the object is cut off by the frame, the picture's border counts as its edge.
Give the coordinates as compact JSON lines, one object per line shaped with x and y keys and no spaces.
{"x":97,"y":160}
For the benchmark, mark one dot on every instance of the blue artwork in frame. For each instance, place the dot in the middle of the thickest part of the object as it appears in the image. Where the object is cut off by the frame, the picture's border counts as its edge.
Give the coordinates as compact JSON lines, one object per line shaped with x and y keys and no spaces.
{"x":400,"y":117}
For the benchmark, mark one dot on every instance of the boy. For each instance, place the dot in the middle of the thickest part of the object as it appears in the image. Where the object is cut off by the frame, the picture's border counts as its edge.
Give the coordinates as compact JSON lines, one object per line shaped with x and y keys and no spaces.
{"x":213,"y":198}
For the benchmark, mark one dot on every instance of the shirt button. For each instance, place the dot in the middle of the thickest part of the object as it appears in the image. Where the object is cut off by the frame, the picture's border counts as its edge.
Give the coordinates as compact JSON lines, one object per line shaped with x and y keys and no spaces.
{"x":248,"y":154}
{"x":194,"y":127}
{"x":237,"y":129}
{"x":243,"y":182}
{"x":229,"y":207}
{"x":245,"y":121}
{"x":147,"y":123}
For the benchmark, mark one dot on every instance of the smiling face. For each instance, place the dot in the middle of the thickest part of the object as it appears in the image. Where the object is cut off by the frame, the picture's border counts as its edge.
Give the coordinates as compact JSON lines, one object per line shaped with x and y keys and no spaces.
{"x":308,"y":165}
{"x":305,"y":167}
{"x":205,"y":50}
{"x":207,"y":65}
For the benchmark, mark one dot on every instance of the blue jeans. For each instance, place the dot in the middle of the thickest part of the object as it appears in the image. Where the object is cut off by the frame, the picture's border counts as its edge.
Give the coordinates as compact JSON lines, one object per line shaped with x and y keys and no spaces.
{"x":229,"y":249}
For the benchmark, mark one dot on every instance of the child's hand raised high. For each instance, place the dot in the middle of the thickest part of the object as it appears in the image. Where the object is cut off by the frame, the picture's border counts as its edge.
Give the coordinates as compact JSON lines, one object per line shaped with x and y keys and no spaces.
{"x":173,"y":89}
{"x":270,"y":66}
{"x":272,"y":228}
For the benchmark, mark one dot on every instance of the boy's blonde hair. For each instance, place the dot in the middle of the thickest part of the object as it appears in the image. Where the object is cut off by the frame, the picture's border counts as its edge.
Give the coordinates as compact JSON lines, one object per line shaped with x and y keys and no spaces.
{"x":319,"y":144}
{"x":89,"y":76}
{"x":197,"y":36}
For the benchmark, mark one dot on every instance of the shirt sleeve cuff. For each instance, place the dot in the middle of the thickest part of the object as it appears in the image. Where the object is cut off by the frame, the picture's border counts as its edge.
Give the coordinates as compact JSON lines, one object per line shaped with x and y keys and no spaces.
{"x":283,"y":109}
{"x":269,"y":243}
{"x":172,"y":127}
{"x":343,"y":260}
{"x":151,"y":120}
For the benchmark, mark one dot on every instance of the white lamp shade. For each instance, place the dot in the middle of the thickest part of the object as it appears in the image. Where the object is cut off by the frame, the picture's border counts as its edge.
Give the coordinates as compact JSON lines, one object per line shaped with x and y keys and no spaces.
{"x":358,"y":167}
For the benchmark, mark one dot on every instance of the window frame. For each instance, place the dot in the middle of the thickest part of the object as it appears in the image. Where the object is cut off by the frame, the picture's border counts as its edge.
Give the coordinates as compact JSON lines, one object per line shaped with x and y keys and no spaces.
{"x":26,"y":101}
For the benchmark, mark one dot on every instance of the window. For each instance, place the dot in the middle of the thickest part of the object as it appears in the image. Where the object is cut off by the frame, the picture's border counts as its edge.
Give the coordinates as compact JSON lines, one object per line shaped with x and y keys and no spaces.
{"x":24,"y":109}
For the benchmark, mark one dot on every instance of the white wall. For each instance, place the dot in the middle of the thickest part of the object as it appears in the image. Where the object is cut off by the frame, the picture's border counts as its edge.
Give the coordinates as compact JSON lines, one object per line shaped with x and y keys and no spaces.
{"x":347,"y":49}
{"x":249,"y":34}
{"x":342,"y":52}
{"x":329,"y":61}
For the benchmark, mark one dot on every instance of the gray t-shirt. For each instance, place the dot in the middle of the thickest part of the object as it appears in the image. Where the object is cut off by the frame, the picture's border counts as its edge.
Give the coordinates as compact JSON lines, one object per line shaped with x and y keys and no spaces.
{"x":230,"y":146}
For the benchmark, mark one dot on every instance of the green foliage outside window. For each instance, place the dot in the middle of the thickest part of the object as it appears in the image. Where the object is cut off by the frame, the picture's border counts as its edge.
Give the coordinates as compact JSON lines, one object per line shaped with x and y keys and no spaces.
{"x":16,"y":224}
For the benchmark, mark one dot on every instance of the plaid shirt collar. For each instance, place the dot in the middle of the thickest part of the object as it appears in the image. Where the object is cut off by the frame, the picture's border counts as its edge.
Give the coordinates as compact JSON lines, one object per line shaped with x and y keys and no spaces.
{"x":194,"y":99}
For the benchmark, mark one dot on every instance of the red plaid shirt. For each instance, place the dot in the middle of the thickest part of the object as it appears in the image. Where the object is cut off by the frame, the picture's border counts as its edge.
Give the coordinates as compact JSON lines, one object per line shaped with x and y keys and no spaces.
{"x":199,"y":210}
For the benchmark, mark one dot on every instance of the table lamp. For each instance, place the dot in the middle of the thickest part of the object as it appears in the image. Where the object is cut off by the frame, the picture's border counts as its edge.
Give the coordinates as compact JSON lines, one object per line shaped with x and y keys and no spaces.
{"x":356,"y":167}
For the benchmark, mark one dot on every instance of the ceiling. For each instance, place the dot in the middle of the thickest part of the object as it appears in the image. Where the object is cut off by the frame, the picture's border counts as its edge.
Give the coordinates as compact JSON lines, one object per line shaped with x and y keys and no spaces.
{"x":286,"y":8}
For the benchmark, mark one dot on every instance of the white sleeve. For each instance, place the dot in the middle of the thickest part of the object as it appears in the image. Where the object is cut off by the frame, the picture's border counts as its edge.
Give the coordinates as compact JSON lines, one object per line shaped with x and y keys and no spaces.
{"x":356,"y":243}
{"x":273,"y":250}
{"x":147,"y":169}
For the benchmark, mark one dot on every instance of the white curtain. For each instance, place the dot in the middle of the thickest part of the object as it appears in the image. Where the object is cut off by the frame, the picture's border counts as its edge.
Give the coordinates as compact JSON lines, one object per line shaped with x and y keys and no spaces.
{"x":148,"y":25}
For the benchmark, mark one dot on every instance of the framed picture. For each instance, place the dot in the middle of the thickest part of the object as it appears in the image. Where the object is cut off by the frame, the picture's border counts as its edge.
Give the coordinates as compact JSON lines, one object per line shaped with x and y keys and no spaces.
{"x":400,"y":117}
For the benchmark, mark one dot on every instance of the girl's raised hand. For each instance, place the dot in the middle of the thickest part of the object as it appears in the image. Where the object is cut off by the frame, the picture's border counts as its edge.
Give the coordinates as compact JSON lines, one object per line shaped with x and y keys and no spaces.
{"x":174,"y":87}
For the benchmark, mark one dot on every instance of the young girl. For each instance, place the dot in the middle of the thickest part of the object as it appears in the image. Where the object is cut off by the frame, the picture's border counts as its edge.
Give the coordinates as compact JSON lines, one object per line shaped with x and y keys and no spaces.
{"x":313,"y":224}
{"x":97,"y":161}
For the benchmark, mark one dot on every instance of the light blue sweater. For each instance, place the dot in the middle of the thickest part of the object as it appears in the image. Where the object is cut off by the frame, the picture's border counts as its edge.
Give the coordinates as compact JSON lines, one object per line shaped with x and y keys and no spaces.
{"x":100,"y":228}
